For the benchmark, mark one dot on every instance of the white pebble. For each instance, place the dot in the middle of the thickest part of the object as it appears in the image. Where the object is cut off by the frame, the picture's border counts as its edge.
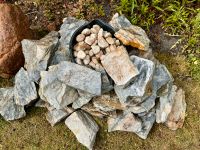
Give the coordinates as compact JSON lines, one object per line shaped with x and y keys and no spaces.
{"x":117,"y":42}
{"x":89,"y":40}
{"x":92,"y":64}
{"x":110,"y":40}
{"x":80,"y":38}
{"x":95,"y":49}
{"x":81,"y":54}
{"x":94,"y":60}
{"x":108,"y":50}
{"x":91,"y":53}
{"x":78,"y":61}
{"x":86,"y":61}
{"x":100,"y":33}
{"x":86,"y":31}
{"x":107,"y":34}
{"x":113,"y":48}
{"x":102,"y":43}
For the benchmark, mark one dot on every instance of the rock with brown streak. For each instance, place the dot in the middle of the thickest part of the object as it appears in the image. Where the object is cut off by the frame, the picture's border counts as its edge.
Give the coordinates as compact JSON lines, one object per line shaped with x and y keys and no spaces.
{"x":128,"y":38}
{"x":14,"y":27}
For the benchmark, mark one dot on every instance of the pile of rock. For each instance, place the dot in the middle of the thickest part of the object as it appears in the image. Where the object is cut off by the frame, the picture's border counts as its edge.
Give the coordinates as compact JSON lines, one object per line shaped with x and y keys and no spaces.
{"x":143,"y":92}
{"x":92,"y":46}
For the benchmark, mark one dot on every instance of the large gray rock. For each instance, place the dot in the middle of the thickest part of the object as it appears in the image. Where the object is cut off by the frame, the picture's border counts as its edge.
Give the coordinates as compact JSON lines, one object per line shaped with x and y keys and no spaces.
{"x":84,"y":128}
{"x":141,"y":83}
{"x":79,"y":77}
{"x":176,"y":117}
{"x":114,"y":64}
{"x":25,"y":90}
{"x":83,"y":99}
{"x":38,"y":54}
{"x":127,"y":121}
{"x":124,"y":122}
{"x":8,"y":108}
{"x":54,"y":91}
{"x":121,"y":22}
{"x":161,"y":78}
{"x":165,"y":103}
{"x":147,"y":123}
{"x":54,"y":115}
{"x":69,"y":26}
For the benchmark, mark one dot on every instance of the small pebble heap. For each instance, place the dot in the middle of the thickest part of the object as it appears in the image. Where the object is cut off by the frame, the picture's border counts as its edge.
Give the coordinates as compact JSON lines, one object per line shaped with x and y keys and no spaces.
{"x":92,"y":46}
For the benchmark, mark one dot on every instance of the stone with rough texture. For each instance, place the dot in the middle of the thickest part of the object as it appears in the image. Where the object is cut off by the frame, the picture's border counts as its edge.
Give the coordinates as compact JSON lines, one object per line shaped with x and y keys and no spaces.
{"x":165,"y":103}
{"x":176,"y":117}
{"x":83,"y":99}
{"x":24,"y":90}
{"x":54,"y":116}
{"x":129,"y":39}
{"x":38,"y":54}
{"x":140,"y":85}
{"x":8,"y":108}
{"x":69,"y":26}
{"x":12,"y":32}
{"x":114,"y":63}
{"x":84,"y":128}
{"x":54,"y":91}
{"x":79,"y":77}
{"x":147,"y":123}
{"x":108,"y":103}
{"x":124,"y":122}
{"x":121,"y":22}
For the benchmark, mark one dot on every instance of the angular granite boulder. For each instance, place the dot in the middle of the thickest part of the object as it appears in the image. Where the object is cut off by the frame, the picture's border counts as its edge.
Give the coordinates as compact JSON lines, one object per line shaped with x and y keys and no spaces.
{"x":84,"y":128}
{"x":140,"y":85}
{"x":8,"y":108}
{"x":54,"y":91}
{"x":38,"y":54}
{"x":25,"y":90}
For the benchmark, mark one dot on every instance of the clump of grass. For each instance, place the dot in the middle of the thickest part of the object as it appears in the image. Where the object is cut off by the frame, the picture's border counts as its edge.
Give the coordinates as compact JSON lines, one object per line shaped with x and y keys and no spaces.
{"x":175,"y":16}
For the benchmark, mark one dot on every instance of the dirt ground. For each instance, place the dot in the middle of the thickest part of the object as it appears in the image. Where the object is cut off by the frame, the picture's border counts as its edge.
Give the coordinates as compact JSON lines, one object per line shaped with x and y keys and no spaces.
{"x":34,"y":133}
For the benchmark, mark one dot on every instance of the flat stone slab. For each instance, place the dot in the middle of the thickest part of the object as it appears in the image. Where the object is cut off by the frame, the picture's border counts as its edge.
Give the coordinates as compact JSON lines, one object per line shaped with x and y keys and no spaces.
{"x":140,"y":85}
{"x":84,"y":128}
{"x":8,"y":108}
{"x":24,"y":90}
{"x":79,"y":77}
{"x":118,"y":65}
